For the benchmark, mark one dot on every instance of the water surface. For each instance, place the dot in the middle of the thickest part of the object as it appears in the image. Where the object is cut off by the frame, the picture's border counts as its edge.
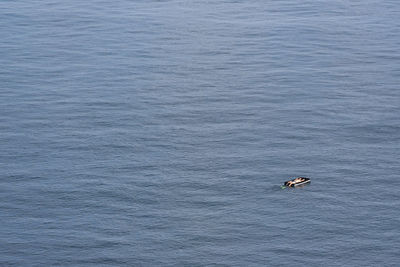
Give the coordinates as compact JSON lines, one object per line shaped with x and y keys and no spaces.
{"x":158,"y":133}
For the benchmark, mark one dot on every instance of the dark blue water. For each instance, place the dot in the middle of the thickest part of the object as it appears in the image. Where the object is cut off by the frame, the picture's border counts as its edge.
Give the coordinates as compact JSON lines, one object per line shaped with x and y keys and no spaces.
{"x":158,"y":133}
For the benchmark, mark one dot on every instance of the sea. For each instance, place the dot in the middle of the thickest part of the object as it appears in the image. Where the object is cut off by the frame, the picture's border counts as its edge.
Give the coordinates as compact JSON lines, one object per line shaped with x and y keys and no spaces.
{"x":159,"y":133}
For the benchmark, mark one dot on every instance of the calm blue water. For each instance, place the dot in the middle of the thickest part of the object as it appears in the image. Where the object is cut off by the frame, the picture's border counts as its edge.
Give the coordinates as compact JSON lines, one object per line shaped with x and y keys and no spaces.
{"x":158,"y":133}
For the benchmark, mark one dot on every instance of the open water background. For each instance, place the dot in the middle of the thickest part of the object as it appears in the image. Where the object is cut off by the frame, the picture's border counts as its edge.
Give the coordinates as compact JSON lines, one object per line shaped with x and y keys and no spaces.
{"x":157,"y":133}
